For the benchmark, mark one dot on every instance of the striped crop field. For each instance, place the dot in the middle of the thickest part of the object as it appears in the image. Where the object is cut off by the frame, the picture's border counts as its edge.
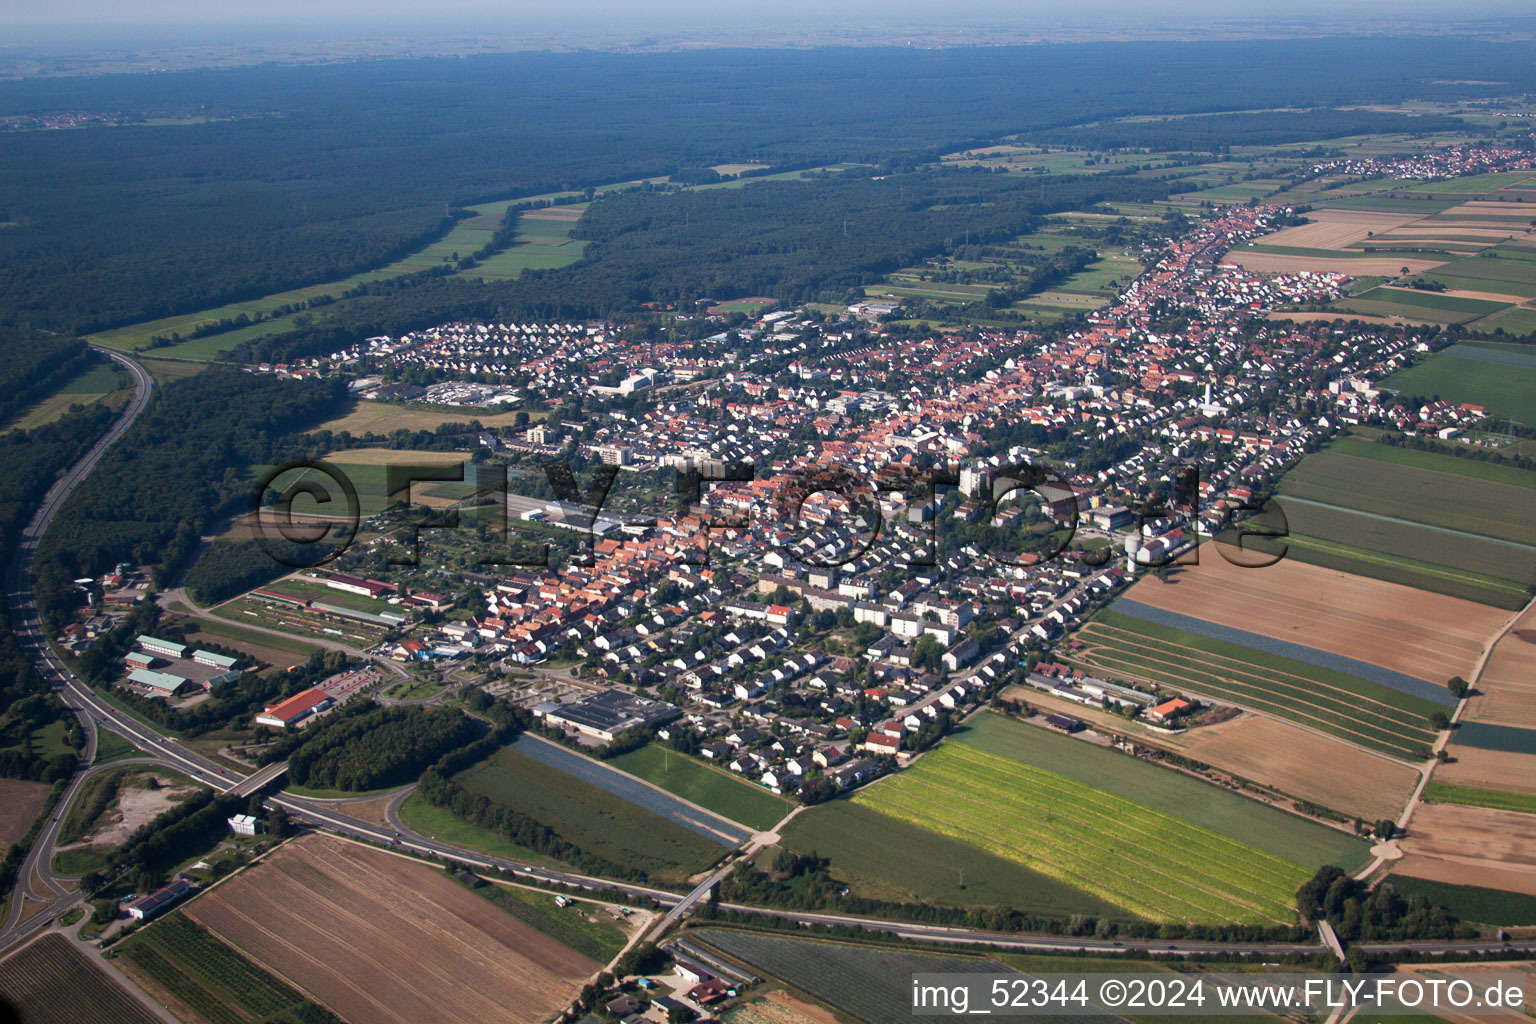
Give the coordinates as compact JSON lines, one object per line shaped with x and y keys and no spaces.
{"x":1332,"y":702}
{"x":1152,"y":864}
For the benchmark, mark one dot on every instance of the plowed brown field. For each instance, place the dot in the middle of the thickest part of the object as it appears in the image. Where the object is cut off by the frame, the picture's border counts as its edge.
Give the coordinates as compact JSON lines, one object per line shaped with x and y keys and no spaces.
{"x":379,"y":938}
{"x":1430,"y":636}
{"x":1471,"y":846}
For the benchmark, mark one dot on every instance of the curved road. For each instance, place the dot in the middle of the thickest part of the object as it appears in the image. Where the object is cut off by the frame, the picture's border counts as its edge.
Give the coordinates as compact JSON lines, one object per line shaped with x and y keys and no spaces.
{"x":92,"y":710}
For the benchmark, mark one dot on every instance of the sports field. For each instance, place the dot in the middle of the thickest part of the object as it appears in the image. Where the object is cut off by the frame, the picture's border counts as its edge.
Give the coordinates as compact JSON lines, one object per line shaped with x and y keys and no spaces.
{"x":36,"y":979}
{"x":1146,"y":862}
{"x":378,"y":937}
{"x":713,"y":788}
{"x":594,"y":819}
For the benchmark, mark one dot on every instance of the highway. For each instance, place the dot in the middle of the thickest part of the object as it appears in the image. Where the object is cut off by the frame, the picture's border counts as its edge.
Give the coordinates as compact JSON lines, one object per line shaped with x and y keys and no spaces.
{"x":93,"y":711}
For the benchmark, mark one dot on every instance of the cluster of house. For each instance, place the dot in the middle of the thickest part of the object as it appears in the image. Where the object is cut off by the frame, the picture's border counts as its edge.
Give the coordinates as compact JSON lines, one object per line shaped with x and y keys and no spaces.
{"x":1450,"y":162}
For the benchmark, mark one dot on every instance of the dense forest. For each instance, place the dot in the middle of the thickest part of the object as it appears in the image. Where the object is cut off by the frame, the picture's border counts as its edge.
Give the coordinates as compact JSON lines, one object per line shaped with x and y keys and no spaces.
{"x":226,"y":568}
{"x":819,"y":238}
{"x":32,"y":460}
{"x":295,"y":175}
{"x":185,"y":462}
{"x":1217,"y":133}
{"x":379,"y":747}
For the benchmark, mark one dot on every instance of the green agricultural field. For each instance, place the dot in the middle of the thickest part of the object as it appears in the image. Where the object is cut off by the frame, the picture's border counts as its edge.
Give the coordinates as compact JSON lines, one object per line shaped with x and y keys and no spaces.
{"x":1146,"y":862}
{"x":1471,"y":902}
{"x":1238,"y":193}
{"x":1412,"y":300}
{"x":1332,"y":702}
{"x":1236,"y":817}
{"x":711,"y":788}
{"x":595,"y":820}
{"x":1295,"y":250}
{"x":1388,"y":204}
{"x":1519,"y":321}
{"x":1417,"y":495}
{"x":600,"y":940}
{"x":883,"y":858}
{"x":1522,"y":289}
{"x":1503,"y":390}
{"x":1491,"y":472}
{"x":1474,"y":796}
{"x":866,"y":983}
{"x":1376,"y":564}
{"x":212,"y":978}
{"x":1387,"y":309}
{"x":34,"y":978}
{"x":1477,"y":184}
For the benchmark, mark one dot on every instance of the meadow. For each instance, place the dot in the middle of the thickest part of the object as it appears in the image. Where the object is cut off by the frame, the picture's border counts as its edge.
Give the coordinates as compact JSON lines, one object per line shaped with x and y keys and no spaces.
{"x":600,"y":940}
{"x":1332,"y":702}
{"x":33,"y":978}
{"x":712,"y":788}
{"x":593,"y":819}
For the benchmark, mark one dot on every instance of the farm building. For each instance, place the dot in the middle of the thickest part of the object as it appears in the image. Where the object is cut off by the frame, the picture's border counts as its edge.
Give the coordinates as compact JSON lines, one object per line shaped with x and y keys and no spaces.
{"x":164,"y":648}
{"x":363,"y":588}
{"x":159,"y":900}
{"x":222,"y":662}
{"x":1168,"y":710}
{"x":1066,"y":723}
{"x":163,"y":683}
{"x":295,"y":709}
{"x":273,"y":597}
{"x":609,"y":713}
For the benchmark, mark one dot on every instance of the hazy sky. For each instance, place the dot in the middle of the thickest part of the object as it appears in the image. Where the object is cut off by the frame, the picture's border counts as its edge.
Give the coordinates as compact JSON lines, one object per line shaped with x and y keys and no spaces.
{"x":671,"y":14}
